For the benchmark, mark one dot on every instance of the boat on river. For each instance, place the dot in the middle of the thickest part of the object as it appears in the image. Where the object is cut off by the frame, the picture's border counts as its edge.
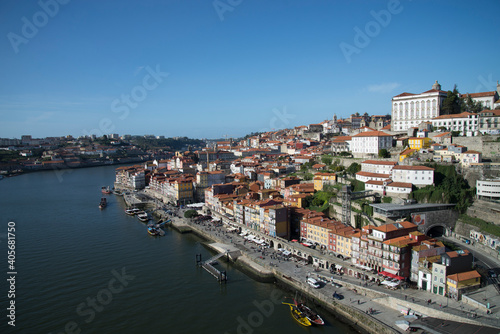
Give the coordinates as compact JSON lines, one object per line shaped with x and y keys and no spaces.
{"x":155,"y":231}
{"x":103,"y":203}
{"x":106,"y":190}
{"x":312,"y":316}
{"x":143,"y":216}
{"x":132,"y":211}
{"x":298,"y":316}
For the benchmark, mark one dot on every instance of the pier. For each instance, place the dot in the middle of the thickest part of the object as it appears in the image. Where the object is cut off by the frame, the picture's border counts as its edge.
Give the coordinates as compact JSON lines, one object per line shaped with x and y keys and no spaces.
{"x":221,"y":276}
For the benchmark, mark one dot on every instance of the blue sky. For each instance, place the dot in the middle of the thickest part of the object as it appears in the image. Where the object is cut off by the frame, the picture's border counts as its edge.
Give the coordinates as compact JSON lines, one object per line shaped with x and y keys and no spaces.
{"x":205,"y":69}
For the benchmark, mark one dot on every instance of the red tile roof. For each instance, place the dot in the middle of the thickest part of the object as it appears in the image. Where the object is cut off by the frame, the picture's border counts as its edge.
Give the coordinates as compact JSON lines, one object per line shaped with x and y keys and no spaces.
{"x":373,"y":134}
{"x":386,"y":176}
{"x":413,"y":167}
{"x":380,"y":162}
{"x":461,"y":115}
{"x":483,"y":94}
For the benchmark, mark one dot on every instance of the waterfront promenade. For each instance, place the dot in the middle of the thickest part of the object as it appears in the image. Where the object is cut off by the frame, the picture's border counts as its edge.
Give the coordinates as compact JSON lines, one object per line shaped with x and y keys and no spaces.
{"x":362,"y":300}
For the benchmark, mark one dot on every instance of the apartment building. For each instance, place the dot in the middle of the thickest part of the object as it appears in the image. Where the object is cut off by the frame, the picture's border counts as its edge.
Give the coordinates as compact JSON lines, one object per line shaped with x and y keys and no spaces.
{"x":417,"y":175}
{"x":466,"y":123}
{"x":370,"y":143}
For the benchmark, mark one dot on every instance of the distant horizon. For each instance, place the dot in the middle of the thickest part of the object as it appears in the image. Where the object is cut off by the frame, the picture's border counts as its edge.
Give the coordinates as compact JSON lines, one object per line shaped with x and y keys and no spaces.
{"x":209,"y":70}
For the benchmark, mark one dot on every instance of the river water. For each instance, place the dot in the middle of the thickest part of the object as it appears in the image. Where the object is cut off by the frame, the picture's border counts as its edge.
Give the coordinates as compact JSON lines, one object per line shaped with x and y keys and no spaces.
{"x":84,"y":270}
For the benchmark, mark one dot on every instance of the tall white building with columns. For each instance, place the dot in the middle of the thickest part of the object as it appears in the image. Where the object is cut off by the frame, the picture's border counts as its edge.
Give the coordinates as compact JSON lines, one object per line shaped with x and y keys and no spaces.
{"x":409,"y":110}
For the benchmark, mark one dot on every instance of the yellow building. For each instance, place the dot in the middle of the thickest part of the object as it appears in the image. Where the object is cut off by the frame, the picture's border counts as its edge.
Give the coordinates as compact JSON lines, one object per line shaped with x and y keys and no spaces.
{"x":344,"y":244}
{"x":460,"y":283}
{"x":418,"y":143}
{"x":321,"y":179}
{"x":183,"y":190}
{"x":318,"y":183}
{"x":406,"y":154}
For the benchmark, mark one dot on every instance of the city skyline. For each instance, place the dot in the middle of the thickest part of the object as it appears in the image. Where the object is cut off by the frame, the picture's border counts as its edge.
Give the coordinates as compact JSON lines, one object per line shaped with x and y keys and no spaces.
{"x":229,"y":67}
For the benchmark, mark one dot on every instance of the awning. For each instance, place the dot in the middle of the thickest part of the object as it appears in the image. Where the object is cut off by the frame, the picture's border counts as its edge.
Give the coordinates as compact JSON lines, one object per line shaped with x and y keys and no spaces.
{"x":385,"y":273}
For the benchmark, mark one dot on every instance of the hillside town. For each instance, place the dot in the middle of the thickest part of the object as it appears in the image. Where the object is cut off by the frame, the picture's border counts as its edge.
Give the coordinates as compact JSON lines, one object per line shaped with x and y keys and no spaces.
{"x":363,"y":188}
{"x":354,"y":189}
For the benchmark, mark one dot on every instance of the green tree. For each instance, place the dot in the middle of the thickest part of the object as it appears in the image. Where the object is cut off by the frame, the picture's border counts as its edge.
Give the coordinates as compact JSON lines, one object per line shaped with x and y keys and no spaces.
{"x":326,"y":159}
{"x":452,"y":102}
{"x":190,"y":213}
{"x":469,"y":105}
{"x":353,"y":168}
{"x":383,"y":153}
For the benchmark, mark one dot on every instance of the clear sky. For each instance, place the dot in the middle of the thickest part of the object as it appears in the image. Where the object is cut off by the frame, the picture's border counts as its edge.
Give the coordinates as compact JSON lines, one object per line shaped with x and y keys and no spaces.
{"x":205,"y":69}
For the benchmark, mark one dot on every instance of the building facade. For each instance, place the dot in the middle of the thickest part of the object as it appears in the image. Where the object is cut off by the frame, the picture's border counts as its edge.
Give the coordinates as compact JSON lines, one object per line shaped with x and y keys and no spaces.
{"x":409,"y":110}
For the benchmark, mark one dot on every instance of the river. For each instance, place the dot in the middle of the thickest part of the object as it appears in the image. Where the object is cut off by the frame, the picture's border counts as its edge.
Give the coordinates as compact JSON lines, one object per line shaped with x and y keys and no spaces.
{"x":84,"y":270}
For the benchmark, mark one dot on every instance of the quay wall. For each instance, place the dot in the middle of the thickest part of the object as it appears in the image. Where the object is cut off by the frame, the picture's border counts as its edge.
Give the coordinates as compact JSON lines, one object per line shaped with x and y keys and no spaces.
{"x":348,"y":314}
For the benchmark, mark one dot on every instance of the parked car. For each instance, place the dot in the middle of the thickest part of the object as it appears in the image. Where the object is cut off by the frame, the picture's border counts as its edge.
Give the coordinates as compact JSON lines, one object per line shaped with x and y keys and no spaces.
{"x":338,"y":296}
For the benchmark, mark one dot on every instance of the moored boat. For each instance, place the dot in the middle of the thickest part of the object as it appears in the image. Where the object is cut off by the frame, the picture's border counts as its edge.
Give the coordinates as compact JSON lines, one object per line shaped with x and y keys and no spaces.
{"x":298,"y":316}
{"x":155,"y":231}
{"x":132,"y":211}
{"x":106,"y":190}
{"x":143,"y":216}
{"x":312,"y":316}
{"x":103,"y":203}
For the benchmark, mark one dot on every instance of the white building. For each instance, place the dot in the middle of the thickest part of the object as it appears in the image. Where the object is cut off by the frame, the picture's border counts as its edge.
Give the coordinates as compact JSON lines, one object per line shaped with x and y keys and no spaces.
{"x":417,"y":175}
{"x":389,"y":187}
{"x":370,"y":143}
{"x":470,"y":157}
{"x":409,"y":110}
{"x":466,"y":123}
{"x":488,"y":189}
{"x":489,"y":100}
{"x":378,"y":166}
{"x":366,"y":176}
{"x":489,"y":121}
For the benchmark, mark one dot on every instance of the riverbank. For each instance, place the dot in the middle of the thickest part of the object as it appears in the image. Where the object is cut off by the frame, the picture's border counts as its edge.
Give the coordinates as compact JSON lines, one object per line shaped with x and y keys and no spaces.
{"x":365,"y":304}
{"x":65,"y":168}
{"x":245,"y":261}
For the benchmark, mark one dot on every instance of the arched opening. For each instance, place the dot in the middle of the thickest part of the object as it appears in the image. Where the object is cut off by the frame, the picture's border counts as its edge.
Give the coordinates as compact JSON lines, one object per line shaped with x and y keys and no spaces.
{"x":436,"y":231}
{"x":309,"y":259}
{"x":271,"y":243}
{"x":280,"y":246}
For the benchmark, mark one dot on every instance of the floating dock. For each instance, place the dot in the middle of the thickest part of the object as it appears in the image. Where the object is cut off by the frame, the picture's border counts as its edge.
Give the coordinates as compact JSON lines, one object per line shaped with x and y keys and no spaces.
{"x":221,"y":276}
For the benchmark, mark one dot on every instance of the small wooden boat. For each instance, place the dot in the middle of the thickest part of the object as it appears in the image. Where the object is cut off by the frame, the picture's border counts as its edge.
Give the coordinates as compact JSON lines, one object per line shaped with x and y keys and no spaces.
{"x":103,"y":203}
{"x":106,"y":190}
{"x":156,"y":231}
{"x":298,"y":316}
{"x":312,"y":316}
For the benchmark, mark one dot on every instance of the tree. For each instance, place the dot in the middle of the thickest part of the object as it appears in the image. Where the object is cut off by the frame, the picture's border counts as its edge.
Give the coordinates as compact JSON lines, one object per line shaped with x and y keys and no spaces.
{"x":452,"y":102}
{"x":469,"y":105}
{"x":353,"y":168}
{"x":383,"y":153}
{"x":190,"y":213}
{"x":326,"y":159}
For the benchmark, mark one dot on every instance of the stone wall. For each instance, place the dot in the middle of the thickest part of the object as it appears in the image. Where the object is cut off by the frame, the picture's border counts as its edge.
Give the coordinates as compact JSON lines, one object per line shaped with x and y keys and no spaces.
{"x":484,"y":144}
{"x":487,"y":211}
